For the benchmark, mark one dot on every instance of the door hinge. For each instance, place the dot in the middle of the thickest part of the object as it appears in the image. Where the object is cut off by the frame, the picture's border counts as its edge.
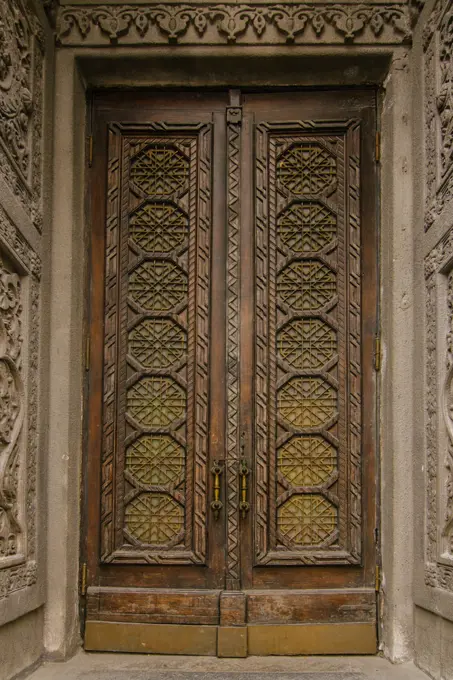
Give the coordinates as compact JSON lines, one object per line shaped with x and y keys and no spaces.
{"x":90,"y":151}
{"x":377,"y":584}
{"x":87,"y":353}
{"x":83,"y":580}
{"x":377,"y":353}
{"x":377,"y":149}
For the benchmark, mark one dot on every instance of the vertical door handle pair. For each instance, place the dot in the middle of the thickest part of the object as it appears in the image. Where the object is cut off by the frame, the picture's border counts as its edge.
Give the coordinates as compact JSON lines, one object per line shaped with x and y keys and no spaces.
{"x":244,"y":472}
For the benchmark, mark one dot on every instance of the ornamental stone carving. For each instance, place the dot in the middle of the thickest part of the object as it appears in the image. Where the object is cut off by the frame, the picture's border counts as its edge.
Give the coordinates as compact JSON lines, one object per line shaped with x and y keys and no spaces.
{"x":11,"y":408}
{"x":21,"y":67}
{"x":438,"y":67}
{"x":439,"y":431}
{"x":19,"y":369}
{"x":253,"y":23}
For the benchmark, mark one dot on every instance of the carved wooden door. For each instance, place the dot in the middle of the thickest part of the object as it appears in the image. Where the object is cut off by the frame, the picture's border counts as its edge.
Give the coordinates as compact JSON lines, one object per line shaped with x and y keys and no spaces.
{"x":308,"y":546}
{"x":230,"y":469}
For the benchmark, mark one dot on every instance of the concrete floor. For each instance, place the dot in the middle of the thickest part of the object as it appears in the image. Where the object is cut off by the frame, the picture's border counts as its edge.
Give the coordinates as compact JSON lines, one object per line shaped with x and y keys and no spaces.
{"x":86,"y":666}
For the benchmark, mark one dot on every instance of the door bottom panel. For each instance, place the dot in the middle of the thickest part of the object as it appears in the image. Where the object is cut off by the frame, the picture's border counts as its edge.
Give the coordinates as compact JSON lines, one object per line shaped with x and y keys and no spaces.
{"x":230,"y":641}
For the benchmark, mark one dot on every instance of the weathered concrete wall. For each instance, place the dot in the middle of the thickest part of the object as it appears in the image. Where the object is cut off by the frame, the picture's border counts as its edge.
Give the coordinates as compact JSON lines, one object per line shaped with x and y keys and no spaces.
{"x":432,"y":69}
{"x":26,"y":94}
{"x":21,"y":643}
{"x":396,"y":395}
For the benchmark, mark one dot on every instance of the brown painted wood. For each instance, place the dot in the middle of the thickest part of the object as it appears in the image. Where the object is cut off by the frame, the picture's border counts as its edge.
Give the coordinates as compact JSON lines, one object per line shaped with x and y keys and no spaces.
{"x":282,"y":585}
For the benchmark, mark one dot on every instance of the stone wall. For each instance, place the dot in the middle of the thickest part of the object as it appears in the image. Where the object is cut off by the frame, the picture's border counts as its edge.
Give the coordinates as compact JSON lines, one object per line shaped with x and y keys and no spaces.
{"x":26,"y":58}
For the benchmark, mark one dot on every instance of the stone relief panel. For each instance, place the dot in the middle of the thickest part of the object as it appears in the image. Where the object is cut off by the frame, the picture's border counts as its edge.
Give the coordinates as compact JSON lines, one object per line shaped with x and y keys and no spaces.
{"x":439,"y":414}
{"x":260,"y":23}
{"x":21,"y":83}
{"x":20,"y":271}
{"x":438,"y":77}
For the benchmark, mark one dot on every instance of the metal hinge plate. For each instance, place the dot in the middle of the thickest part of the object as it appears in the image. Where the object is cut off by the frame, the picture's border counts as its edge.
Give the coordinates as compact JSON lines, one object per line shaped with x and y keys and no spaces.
{"x":87,"y":353}
{"x":90,"y":151}
{"x":377,"y":353}
{"x":83,"y":580}
{"x":378,"y":579}
{"x":377,"y":150}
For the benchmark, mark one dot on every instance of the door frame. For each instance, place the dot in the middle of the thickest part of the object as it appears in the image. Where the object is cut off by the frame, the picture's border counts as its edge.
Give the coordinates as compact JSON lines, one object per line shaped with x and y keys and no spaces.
{"x":68,"y":215}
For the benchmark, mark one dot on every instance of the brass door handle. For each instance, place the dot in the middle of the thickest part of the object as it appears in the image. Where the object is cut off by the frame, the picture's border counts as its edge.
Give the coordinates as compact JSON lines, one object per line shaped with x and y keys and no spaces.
{"x":244,"y":505}
{"x":216,"y":504}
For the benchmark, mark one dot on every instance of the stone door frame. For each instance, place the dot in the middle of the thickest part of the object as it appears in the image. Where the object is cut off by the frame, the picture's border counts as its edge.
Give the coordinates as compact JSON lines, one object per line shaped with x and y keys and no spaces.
{"x":79,"y":69}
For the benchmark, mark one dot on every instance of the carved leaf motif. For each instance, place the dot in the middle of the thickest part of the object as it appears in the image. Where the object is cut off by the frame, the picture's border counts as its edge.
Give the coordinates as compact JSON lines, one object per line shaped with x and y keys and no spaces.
{"x":377,"y":23}
{"x":172,"y":20}
{"x":113,"y":22}
{"x":232,"y":22}
{"x":289,"y":21}
{"x":348,"y":22}
{"x":399,"y":20}
{"x":141,"y":21}
{"x":200,"y":21}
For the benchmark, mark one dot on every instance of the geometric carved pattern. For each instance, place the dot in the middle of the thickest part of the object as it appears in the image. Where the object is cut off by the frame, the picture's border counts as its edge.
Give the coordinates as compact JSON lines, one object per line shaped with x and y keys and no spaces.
{"x":232,"y":580}
{"x":307,"y":520}
{"x":306,"y":169}
{"x":307,"y":344}
{"x":154,"y":519}
{"x":157,"y":343}
{"x":307,"y":460}
{"x":306,"y":285}
{"x":306,"y":226}
{"x":307,"y":402}
{"x":158,"y":285}
{"x":156,"y":402}
{"x":156,"y":460}
{"x":307,"y":258}
{"x":156,"y":357}
{"x":160,"y":170}
{"x":158,"y":227}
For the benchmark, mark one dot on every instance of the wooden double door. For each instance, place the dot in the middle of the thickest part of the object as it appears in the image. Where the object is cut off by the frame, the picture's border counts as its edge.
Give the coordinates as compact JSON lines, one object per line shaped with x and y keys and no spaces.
{"x":230,"y":473}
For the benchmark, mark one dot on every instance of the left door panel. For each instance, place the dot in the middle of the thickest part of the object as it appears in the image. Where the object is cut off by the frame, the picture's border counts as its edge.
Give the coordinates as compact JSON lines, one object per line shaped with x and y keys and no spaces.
{"x":154,"y":550}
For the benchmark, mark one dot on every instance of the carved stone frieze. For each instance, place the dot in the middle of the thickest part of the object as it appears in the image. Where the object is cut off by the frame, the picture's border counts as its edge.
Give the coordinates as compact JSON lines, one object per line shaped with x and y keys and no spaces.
{"x":438,"y":67}
{"x":21,"y":73}
{"x":439,"y":446}
{"x":252,"y":23}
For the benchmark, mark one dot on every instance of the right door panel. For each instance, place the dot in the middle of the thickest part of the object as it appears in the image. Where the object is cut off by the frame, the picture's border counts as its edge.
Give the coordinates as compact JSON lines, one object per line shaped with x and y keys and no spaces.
{"x":309,"y":546}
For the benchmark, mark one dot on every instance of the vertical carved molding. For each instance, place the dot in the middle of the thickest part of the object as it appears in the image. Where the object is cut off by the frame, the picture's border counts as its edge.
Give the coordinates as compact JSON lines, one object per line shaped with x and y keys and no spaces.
{"x":448,"y":419}
{"x":262,"y":342}
{"x":233,"y":349}
{"x":19,"y":368}
{"x":438,"y":79}
{"x":11,"y":412}
{"x":439,"y":424}
{"x":354,"y":340}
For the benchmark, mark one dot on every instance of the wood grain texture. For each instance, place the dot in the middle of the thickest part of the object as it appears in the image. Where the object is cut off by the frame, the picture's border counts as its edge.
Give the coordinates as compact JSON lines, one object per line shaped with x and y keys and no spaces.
{"x":154,"y":606}
{"x":311,"y":606}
